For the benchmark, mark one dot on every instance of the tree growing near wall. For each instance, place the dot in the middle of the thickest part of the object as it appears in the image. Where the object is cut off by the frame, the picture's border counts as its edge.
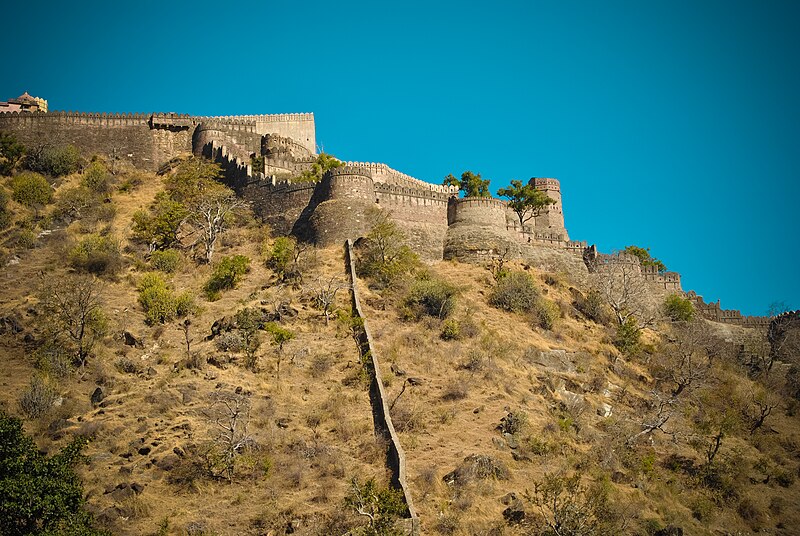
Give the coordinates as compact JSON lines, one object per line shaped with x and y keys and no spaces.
{"x":321,"y":165}
{"x":525,"y":200}
{"x":643,"y":254}
{"x":11,"y":153}
{"x":383,"y":254}
{"x":470,"y":183}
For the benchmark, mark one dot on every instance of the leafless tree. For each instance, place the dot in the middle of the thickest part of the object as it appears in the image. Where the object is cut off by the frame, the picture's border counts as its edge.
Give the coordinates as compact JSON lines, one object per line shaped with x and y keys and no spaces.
{"x":664,"y":407}
{"x":229,"y":414}
{"x":625,"y":290}
{"x":72,"y":308}
{"x":686,"y":361}
{"x":325,"y":294}
{"x":210,"y":216}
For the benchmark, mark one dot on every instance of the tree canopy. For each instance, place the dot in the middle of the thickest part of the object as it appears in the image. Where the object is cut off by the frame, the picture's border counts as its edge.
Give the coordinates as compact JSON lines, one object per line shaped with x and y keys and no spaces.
{"x":40,"y":494}
{"x":470,"y":183}
{"x":525,"y":200}
{"x":643,"y":254}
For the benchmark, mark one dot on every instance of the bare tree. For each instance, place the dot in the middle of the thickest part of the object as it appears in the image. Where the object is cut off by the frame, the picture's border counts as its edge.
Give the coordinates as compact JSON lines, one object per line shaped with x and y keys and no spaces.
{"x":625,"y":290}
{"x":663,"y":410}
{"x":211,"y":214}
{"x":229,"y":414}
{"x":325,"y":294}
{"x":72,"y":309}
{"x":686,"y":361}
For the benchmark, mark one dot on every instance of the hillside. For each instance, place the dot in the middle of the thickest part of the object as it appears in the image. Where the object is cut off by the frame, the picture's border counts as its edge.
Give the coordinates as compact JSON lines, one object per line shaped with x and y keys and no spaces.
{"x":511,"y":413}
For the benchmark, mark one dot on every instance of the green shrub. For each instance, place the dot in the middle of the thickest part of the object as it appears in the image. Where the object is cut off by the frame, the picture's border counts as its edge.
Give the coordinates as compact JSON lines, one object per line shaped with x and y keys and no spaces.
{"x":96,"y":254}
{"x":97,"y":178}
{"x":37,"y":399}
{"x":678,"y":309}
{"x":545,"y":313}
{"x":53,"y":160}
{"x":31,"y":189}
{"x":160,"y":303}
{"x":226,"y":275}
{"x":166,"y":261}
{"x":628,"y":337}
{"x":159,"y":225}
{"x":514,"y":292}
{"x":5,"y":213}
{"x":432,"y":297}
{"x":451,"y":330}
{"x":11,"y":152}
{"x":281,"y":255}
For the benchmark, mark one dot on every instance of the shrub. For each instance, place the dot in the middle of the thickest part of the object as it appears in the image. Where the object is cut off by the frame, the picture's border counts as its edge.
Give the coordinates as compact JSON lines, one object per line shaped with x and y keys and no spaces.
{"x":160,"y":303}
{"x":678,"y":309}
{"x":628,"y":337}
{"x":37,"y":399}
{"x":432,"y":297}
{"x":593,"y":306}
{"x":451,"y":330}
{"x":96,"y":254}
{"x":545,"y":313}
{"x":97,"y":178}
{"x":159,"y":225}
{"x":384,"y":256}
{"x":514,"y":292}
{"x":54,"y":161}
{"x":166,"y":261}
{"x":31,"y":189}
{"x":5,"y":213}
{"x":226,"y":275}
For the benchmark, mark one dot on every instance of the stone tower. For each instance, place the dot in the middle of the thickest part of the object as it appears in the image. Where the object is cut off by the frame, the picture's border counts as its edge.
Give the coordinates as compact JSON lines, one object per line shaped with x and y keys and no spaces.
{"x":553,"y":216}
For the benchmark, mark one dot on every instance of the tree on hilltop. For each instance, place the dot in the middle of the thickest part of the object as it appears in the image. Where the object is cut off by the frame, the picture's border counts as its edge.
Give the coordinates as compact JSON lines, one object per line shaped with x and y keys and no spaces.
{"x":470,"y":183}
{"x":643,"y":254}
{"x":525,"y":200}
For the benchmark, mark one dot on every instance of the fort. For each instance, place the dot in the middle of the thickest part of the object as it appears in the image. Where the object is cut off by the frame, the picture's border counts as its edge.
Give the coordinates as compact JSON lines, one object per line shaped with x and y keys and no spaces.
{"x":264,"y":158}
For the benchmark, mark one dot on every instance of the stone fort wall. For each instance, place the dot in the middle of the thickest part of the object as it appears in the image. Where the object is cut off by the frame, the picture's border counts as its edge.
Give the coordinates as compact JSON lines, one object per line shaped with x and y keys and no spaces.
{"x":149,"y":140}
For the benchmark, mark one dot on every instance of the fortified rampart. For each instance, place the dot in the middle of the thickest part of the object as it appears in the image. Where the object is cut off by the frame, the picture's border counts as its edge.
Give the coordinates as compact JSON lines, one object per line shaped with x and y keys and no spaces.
{"x":438,"y":224}
{"x":149,"y":140}
{"x":713,"y":311}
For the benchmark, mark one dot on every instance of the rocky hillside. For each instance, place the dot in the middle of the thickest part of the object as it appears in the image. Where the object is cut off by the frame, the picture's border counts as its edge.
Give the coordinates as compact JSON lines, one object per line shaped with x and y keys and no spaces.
{"x":217,"y":373}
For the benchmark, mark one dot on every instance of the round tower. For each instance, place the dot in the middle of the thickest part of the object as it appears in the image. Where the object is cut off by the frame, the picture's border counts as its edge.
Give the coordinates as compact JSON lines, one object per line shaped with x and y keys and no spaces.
{"x":347,"y":194}
{"x":481,"y":211}
{"x":552,"y":216}
{"x":203,"y":136}
{"x":476,"y":230}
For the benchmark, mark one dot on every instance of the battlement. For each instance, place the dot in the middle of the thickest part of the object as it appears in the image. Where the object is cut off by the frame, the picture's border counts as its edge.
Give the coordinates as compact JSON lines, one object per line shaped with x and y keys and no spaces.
{"x":406,"y":191}
{"x":266,"y":118}
{"x":348,"y":170}
{"x":546,"y":183}
{"x":385,"y":174}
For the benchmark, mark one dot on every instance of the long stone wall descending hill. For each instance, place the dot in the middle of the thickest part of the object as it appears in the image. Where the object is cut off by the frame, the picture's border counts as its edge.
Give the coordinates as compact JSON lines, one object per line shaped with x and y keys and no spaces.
{"x":396,"y":459}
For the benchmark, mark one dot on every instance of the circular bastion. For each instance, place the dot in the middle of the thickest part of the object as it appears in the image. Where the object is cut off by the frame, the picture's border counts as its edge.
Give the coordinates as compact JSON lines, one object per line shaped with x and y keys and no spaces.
{"x":476,"y":230}
{"x":483,"y":211}
{"x":347,"y":194}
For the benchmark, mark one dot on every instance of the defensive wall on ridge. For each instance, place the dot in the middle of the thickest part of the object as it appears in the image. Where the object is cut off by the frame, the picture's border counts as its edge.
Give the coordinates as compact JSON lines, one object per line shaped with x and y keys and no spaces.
{"x":438,"y":224}
{"x":149,"y":140}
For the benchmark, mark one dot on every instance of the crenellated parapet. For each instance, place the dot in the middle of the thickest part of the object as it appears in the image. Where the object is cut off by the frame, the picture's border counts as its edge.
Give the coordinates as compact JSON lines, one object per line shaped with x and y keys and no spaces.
{"x":347,"y":182}
{"x":481,"y":211}
{"x":384,"y":174}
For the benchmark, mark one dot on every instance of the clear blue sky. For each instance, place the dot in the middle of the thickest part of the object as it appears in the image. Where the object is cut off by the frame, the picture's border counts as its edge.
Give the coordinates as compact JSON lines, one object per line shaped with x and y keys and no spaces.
{"x":673,"y":125}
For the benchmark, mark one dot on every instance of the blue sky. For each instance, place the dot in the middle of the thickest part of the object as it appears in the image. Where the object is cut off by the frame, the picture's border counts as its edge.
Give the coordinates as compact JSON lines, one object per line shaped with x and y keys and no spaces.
{"x":673,"y":125}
